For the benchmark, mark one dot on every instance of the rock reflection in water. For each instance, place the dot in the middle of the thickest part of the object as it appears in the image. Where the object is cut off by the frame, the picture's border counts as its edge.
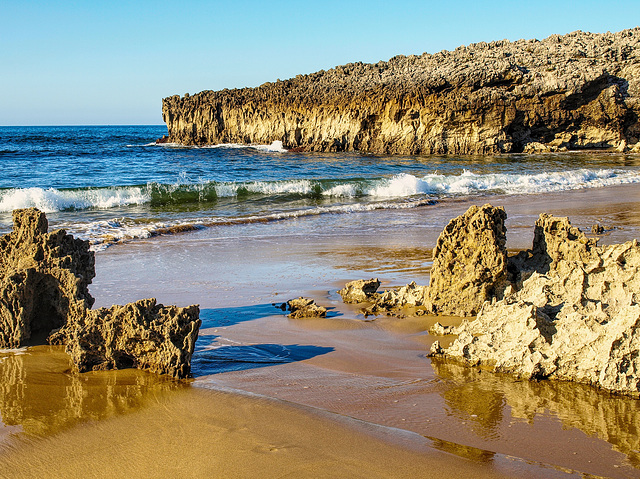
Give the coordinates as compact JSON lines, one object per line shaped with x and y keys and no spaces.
{"x":40,"y":393}
{"x":481,"y":398}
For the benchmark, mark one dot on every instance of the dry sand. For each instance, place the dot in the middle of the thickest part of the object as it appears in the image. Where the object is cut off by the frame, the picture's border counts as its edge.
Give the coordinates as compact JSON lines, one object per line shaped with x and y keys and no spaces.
{"x":337,"y":397}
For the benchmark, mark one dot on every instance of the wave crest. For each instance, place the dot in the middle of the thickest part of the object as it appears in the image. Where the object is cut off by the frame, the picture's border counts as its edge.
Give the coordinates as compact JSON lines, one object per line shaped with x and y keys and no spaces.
{"x":399,"y":186}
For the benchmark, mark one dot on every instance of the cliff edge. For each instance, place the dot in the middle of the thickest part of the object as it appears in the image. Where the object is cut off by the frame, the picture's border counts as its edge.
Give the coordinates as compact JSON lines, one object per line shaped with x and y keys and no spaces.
{"x":578,"y":91}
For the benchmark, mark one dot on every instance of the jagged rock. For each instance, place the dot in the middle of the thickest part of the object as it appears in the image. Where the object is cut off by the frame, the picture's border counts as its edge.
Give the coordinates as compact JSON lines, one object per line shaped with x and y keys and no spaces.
{"x":144,"y":335}
{"x":575,"y":91}
{"x":469,"y":262}
{"x":305,"y":308}
{"x":359,"y":291}
{"x":439,"y":330}
{"x":44,"y":278}
{"x":574,"y":315}
{"x":392,"y":300}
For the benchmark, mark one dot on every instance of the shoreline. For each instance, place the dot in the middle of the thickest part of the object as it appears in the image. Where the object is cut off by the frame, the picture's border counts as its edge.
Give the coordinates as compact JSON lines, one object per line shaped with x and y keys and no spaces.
{"x":344,"y":366}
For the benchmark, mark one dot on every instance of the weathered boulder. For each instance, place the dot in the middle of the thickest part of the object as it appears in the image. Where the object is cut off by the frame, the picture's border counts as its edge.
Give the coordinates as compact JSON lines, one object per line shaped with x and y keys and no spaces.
{"x":44,"y":278}
{"x":144,"y":335}
{"x":359,"y":291}
{"x":574,"y":316}
{"x":300,"y":308}
{"x":469,"y":262}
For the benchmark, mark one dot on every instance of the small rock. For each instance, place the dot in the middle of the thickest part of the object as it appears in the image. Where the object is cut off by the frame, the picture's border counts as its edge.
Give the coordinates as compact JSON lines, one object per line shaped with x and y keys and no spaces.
{"x":359,"y":291}
{"x":305,"y":308}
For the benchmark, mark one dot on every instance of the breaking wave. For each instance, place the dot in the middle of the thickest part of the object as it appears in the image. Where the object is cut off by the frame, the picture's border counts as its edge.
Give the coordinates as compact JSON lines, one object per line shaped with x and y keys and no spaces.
{"x":402,"y":186}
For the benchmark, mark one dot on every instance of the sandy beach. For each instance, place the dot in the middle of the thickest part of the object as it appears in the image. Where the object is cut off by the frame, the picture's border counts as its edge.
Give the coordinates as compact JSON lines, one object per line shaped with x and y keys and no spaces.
{"x":343,"y":396}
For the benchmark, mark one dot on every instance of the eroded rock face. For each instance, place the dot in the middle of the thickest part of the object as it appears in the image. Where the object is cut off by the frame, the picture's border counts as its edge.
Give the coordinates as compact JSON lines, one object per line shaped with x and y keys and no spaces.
{"x":144,"y":335}
{"x":573,"y":91}
{"x":575,"y":315}
{"x":44,"y":278}
{"x":469,"y":262}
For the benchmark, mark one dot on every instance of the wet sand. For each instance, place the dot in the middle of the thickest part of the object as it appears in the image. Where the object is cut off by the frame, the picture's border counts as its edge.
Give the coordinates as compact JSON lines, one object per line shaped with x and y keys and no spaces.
{"x":340,"y":396}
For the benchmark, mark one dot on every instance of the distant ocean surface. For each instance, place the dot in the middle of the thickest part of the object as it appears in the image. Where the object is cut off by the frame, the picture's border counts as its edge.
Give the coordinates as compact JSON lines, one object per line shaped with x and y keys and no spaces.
{"x":113,"y":183}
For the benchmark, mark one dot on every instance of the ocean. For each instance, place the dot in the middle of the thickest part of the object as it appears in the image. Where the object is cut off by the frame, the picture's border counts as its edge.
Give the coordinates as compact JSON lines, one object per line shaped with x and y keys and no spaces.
{"x":262,"y":226}
{"x":111,"y":184}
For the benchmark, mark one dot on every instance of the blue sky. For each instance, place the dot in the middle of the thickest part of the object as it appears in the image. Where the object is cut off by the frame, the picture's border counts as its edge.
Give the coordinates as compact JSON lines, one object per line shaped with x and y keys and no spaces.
{"x":74,"y":62}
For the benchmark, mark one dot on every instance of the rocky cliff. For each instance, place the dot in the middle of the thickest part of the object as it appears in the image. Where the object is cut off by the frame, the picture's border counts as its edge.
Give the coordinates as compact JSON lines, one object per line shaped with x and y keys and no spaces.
{"x":566,"y":92}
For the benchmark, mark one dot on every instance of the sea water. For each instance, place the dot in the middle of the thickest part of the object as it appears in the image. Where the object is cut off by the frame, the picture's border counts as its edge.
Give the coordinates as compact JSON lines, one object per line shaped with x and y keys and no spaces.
{"x":110,"y":184}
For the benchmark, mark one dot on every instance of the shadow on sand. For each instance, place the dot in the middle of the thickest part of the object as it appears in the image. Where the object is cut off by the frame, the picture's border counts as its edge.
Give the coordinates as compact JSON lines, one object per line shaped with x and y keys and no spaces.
{"x":213,"y":357}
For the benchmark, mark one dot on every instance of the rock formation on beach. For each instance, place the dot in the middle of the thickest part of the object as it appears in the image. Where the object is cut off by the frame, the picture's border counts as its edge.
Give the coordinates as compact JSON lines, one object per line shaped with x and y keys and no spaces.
{"x":469,"y":262}
{"x":567,"y":92}
{"x":44,"y":279}
{"x":567,"y":309}
{"x":573,"y":313}
{"x":360,"y":290}
{"x":144,"y":335}
{"x":301,"y":308}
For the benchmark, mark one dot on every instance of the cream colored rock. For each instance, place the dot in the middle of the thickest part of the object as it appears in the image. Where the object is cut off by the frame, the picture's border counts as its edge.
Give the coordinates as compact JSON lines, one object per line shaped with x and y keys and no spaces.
{"x":573,"y":91}
{"x":300,"y":308}
{"x":575,"y":316}
{"x":391,"y":301}
{"x":359,"y":291}
{"x":469,"y":262}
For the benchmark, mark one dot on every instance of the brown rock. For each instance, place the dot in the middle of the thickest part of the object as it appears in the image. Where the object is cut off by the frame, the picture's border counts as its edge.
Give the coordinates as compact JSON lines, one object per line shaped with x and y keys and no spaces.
{"x":359,"y":291}
{"x":575,"y":91}
{"x":44,"y":278}
{"x":305,"y":308}
{"x":469,"y":262}
{"x":144,"y":335}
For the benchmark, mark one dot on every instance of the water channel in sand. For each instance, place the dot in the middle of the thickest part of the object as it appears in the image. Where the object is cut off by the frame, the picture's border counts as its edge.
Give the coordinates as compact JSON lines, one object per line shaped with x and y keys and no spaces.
{"x":343,"y":367}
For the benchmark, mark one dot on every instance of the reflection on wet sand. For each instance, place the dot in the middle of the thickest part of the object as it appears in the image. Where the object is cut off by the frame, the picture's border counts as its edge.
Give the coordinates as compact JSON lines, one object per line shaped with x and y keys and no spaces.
{"x":40,"y":393}
{"x":482,"y":398}
{"x":383,"y":260}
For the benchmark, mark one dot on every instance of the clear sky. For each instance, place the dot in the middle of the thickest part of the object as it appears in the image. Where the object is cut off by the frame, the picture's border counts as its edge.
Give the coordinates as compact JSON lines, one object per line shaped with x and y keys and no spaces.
{"x":97,"y":62}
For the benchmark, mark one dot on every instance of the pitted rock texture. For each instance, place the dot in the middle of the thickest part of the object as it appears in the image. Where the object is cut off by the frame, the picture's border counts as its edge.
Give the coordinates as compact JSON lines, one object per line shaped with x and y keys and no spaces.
{"x":144,"y":335}
{"x":574,"y":315}
{"x":469,"y":262}
{"x":44,"y":278}
{"x":359,"y":291}
{"x":392,"y":301}
{"x":567,"y":92}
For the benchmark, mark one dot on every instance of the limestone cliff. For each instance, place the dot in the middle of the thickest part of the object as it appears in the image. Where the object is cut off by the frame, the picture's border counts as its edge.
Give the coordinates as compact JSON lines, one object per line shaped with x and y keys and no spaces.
{"x":574,"y":91}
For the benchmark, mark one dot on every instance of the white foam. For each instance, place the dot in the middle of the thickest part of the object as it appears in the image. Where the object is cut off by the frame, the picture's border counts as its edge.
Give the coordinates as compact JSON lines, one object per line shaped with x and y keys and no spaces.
{"x":274,"y":147}
{"x":405,"y":185}
{"x":51,"y":200}
{"x":231,"y":189}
